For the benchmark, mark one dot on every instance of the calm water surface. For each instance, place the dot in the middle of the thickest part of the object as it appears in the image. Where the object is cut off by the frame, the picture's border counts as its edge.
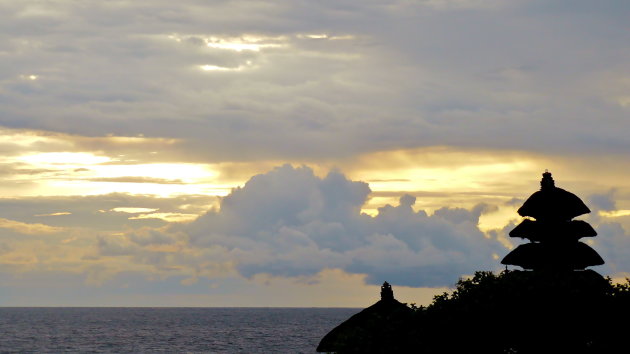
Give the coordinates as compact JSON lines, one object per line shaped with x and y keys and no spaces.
{"x":172,"y":330}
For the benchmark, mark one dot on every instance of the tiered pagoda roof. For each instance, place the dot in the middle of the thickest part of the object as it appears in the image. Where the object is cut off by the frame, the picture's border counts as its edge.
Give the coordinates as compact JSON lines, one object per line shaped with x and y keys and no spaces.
{"x":554,"y":236}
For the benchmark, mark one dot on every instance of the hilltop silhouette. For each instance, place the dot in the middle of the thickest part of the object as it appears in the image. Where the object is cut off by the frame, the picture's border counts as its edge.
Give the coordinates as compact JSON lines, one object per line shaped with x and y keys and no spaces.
{"x":553,"y":305}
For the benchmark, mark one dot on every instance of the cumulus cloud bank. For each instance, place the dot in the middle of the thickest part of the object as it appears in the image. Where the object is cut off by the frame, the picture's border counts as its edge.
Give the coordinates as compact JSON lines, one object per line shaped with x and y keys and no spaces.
{"x":289,"y":222}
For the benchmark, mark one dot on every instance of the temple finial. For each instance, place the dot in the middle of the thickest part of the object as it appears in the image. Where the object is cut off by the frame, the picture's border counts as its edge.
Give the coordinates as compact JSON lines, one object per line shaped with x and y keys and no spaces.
{"x":547,"y":181}
{"x":386,"y":292}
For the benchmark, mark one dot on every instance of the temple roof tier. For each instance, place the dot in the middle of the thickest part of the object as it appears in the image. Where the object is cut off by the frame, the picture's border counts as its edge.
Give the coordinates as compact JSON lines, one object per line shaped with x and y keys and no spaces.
{"x":553,"y":204}
{"x":576,"y":256}
{"x":553,"y":231}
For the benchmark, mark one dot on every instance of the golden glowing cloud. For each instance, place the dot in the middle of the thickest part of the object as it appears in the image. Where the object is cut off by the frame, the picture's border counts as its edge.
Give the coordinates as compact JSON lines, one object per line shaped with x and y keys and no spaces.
{"x":223,"y":68}
{"x":28,"y":229}
{"x":103,"y":170}
{"x":55,"y":214}
{"x":240,"y":46}
{"x":133,"y":210}
{"x":29,"y":77}
{"x":72,"y":159}
{"x":442,"y":176}
{"x":614,"y":213}
{"x":58,"y":164}
{"x":170,"y":217}
{"x":254,"y":43}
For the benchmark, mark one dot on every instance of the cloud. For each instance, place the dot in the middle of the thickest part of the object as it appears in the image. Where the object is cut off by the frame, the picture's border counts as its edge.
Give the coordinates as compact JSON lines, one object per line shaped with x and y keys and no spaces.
{"x":322,"y":80}
{"x":136,"y":179}
{"x":612,"y":244}
{"x":605,"y":201}
{"x":27,"y":228}
{"x":289,"y":222}
{"x":102,"y":212}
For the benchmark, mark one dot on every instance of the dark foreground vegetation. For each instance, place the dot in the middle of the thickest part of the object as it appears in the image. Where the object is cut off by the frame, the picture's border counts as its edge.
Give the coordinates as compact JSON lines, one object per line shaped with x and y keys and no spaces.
{"x":510,"y":312}
{"x":555,"y":307}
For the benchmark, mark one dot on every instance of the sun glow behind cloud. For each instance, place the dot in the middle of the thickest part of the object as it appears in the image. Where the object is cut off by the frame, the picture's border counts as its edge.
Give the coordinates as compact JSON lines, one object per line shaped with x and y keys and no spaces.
{"x":614,"y":213}
{"x":245,"y":43}
{"x":160,"y":179}
{"x":31,"y":77}
{"x":254,"y":43}
{"x":170,"y":217}
{"x":74,"y":159}
{"x":92,"y":173}
{"x":223,"y":68}
{"x":436,"y":176}
{"x":441,"y":172}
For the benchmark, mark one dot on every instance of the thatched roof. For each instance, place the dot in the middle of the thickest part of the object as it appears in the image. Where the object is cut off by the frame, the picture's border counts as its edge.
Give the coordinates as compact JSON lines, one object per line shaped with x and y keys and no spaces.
{"x":550,"y":255}
{"x":553,"y":204}
{"x":376,"y":329}
{"x":553,"y":231}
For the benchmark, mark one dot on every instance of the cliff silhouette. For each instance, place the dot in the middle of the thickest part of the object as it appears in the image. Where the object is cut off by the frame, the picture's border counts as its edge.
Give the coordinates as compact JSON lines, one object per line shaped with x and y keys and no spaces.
{"x":553,"y":305}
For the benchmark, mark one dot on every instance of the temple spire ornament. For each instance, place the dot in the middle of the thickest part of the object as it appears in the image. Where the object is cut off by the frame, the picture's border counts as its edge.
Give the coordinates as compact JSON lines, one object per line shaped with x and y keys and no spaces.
{"x":387,"y":294}
{"x":547,"y":181}
{"x":553,"y":235}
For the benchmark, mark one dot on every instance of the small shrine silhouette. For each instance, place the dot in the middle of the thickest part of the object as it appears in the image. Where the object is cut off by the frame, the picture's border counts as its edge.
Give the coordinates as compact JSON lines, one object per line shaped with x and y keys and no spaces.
{"x":554,"y":236}
{"x":387,"y":294}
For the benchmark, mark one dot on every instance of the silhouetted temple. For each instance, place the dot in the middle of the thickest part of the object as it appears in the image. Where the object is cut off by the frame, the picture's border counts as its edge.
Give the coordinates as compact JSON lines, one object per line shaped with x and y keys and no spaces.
{"x":377,"y":329}
{"x":387,"y":293}
{"x":554,"y":305}
{"x":553,"y":234}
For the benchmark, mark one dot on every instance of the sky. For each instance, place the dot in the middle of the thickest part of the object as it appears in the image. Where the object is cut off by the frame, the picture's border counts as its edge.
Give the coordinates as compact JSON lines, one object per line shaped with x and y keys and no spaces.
{"x":298,"y":153}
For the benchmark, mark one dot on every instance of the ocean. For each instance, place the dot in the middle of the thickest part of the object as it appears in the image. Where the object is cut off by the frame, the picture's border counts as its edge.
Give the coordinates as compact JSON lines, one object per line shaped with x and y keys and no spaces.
{"x":166,"y":330}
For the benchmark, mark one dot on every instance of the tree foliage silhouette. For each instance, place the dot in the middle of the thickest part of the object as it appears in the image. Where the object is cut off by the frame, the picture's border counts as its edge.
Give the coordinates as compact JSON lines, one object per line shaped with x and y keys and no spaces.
{"x":523,"y":312}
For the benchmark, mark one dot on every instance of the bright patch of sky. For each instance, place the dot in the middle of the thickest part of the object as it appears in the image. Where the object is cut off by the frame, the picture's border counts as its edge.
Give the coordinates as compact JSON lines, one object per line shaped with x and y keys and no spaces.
{"x":132,"y":210}
{"x":66,"y":159}
{"x":221,"y":68}
{"x":614,"y":213}
{"x":170,"y":217}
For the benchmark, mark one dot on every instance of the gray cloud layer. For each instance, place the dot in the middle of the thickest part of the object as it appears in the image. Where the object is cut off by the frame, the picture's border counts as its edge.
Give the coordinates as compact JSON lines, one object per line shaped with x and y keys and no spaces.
{"x":523,"y":74}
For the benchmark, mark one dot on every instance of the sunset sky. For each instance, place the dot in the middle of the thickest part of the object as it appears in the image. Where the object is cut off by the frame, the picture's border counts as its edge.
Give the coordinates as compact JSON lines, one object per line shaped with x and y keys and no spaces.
{"x":298,"y":153}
